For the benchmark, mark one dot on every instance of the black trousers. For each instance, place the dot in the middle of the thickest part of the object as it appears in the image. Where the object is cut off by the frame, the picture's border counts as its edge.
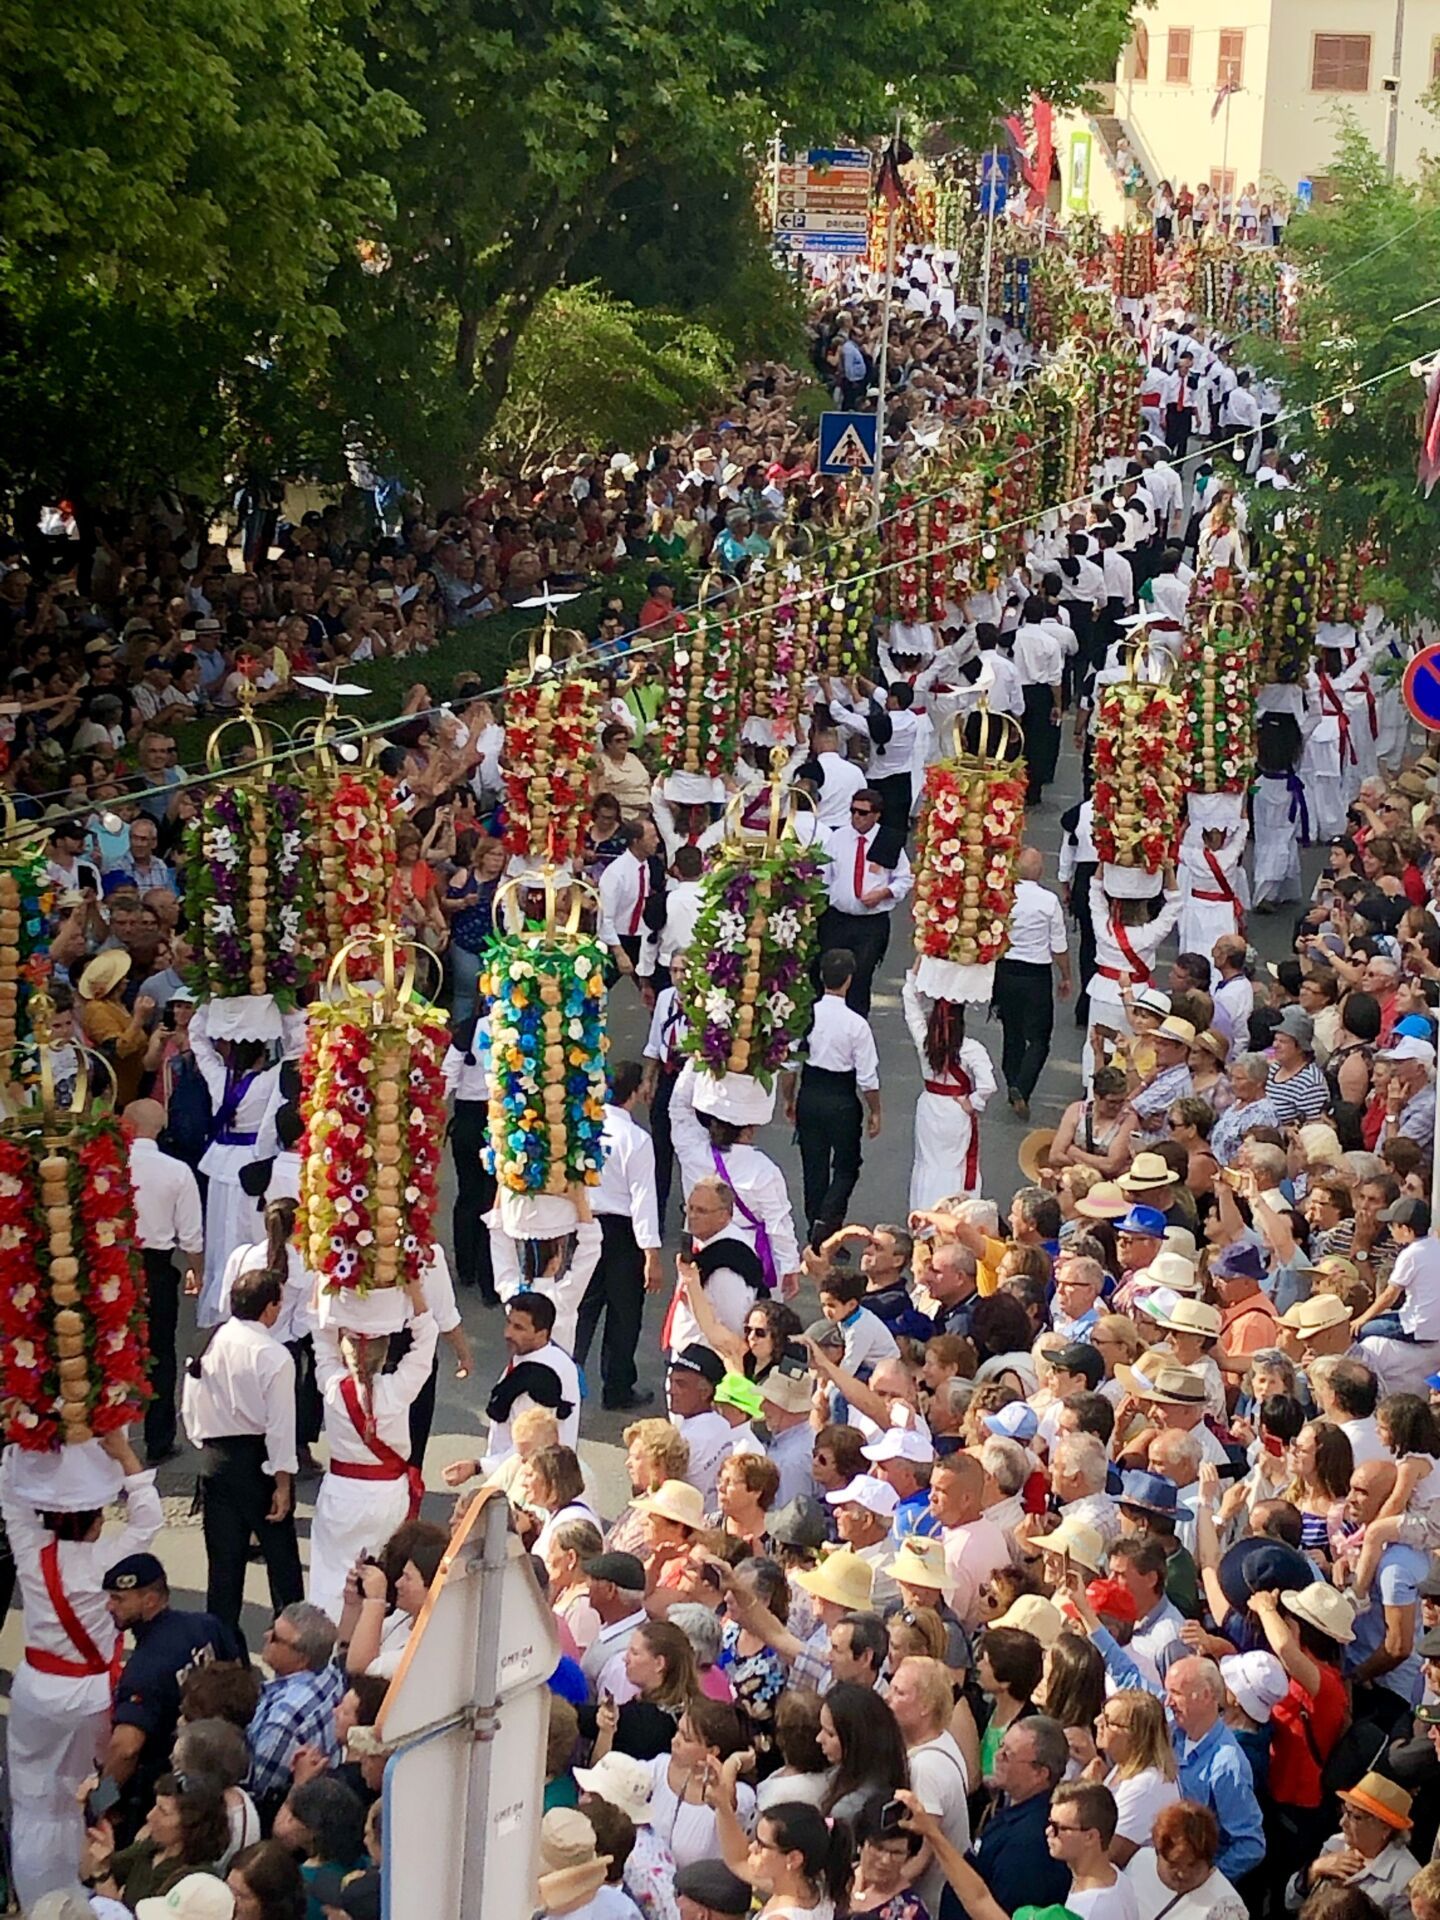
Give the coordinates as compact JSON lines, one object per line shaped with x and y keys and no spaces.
{"x":1179,"y":425}
{"x":865,"y":936}
{"x":162,"y":1297}
{"x":616,"y":1289}
{"x":235,"y":1496}
{"x":663,"y":1142}
{"x":895,"y":792}
{"x":474,"y":1197}
{"x":1080,"y":914}
{"x":1081,"y":625}
{"x":829,"y":1127}
{"x":309,"y":1410}
{"x":422,"y":1415}
{"x":1024,"y":999}
{"x":1042,"y":740}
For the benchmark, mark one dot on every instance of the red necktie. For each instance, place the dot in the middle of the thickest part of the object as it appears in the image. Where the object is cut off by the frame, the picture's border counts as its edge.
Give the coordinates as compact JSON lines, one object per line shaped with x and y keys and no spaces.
{"x":859,"y":867}
{"x":640,"y":898}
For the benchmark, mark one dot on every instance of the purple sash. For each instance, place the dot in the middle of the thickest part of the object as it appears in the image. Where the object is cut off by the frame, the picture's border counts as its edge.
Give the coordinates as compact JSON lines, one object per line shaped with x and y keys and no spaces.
{"x":763,"y":1251}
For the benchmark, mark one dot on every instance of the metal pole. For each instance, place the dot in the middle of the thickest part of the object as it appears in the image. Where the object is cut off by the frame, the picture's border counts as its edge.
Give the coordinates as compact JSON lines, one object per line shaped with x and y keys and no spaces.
{"x":985,"y":280}
{"x":1229,"y":221}
{"x":1392,"y":125}
{"x":882,"y":370}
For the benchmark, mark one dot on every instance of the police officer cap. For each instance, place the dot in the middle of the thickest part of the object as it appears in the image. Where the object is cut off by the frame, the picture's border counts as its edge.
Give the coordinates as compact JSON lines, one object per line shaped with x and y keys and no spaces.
{"x":135,"y":1571}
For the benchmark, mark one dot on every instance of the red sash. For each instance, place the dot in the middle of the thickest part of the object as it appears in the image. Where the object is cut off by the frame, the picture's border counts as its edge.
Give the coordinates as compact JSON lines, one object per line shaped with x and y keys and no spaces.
{"x":91,"y":1661}
{"x":1337,"y":707}
{"x":1370,"y":707}
{"x":960,"y":1089}
{"x":389,"y":1465}
{"x":1227,"y":892}
{"x":1138,"y":969}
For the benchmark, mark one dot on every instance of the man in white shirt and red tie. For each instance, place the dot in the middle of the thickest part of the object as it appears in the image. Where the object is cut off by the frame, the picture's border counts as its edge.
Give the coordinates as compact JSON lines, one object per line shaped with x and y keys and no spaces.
{"x":631,"y":896}
{"x":867,"y":878}
{"x":1024,"y":979}
{"x":629,"y":1265}
{"x":841,"y":1070}
{"x":239,"y":1410}
{"x":168,"y":1220}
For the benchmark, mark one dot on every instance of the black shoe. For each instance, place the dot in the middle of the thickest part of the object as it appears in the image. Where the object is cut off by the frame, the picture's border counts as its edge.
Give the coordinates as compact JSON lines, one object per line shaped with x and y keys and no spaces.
{"x":625,"y":1402}
{"x":1019,"y":1104}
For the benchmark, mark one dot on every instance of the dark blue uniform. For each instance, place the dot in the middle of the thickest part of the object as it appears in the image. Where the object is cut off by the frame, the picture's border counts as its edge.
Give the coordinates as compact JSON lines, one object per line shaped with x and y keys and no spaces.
{"x":167,"y":1648}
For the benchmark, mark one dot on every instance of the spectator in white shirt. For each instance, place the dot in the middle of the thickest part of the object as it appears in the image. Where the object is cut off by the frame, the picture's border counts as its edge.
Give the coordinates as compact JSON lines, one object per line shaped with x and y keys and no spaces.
{"x":168,"y":1221}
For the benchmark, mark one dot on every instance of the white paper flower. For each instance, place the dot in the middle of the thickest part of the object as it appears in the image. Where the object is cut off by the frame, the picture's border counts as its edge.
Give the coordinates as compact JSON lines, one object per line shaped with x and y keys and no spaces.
{"x":730,"y":928}
{"x":719,"y":1008}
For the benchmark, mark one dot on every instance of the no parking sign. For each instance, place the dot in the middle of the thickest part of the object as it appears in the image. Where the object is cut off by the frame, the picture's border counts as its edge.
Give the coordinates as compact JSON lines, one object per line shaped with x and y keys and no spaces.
{"x":1421,"y":688}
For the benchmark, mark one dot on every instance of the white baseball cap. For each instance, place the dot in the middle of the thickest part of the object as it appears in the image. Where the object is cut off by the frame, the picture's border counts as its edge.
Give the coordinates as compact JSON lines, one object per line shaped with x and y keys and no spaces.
{"x":902,"y":1443}
{"x":1408,"y":1047}
{"x":199,"y":1896}
{"x":876,"y":1496}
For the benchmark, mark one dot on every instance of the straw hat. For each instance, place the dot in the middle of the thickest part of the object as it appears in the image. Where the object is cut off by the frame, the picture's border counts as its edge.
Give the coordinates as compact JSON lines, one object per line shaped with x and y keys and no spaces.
{"x":1034,"y":1154}
{"x":1032,"y":1613}
{"x":1186,"y":1316}
{"x":791,"y":1392}
{"x":1172,"y":1386}
{"x":1374,"y":1794}
{"x":623,"y":1782}
{"x":1083,"y":1544}
{"x":919,"y":1563}
{"x":1323,"y":1607}
{"x":1148,"y":1171}
{"x":1214,"y":1043}
{"x":1318,"y":1314}
{"x":1172,"y":1027}
{"x":104,"y":974}
{"x":675,"y":1500}
{"x":1104,"y":1201}
{"x":843,"y":1578}
{"x":1172,"y":1270}
{"x":571,"y":1872}
{"x":1182,"y":1241}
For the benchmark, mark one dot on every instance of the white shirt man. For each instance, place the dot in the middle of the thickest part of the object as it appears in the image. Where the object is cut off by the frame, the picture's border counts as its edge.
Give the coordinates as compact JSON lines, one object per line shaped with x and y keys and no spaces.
{"x":843,"y":780}
{"x":167,"y":1202}
{"x":840,"y":1041}
{"x":245,"y":1386}
{"x":627,"y":1177}
{"x":1037,"y":926}
{"x":897,"y":755}
{"x":624,"y":889}
{"x":844,"y":848}
{"x":682,"y":910}
{"x":1040,"y":651}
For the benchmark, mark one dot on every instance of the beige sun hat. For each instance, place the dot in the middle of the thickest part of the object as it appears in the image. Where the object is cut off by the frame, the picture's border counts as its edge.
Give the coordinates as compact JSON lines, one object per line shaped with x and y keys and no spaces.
{"x":571,"y":1872}
{"x":1172,"y":1270}
{"x":1325,"y":1608}
{"x":1083,"y":1544}
{"x":919,"y":1563}
{"x":842,"y":1578}
{"x":675,"y":1500}
{"x":1104,"y":1201}
{"x":623,"y":1782}
{"x":1316,"y":1315}
{"x":104,"y":974}
{"x":1187,"y":1316}
{"x":1172,"y":1386}
{"x":1149,"y":1171}
{"x":1033,"y":1613}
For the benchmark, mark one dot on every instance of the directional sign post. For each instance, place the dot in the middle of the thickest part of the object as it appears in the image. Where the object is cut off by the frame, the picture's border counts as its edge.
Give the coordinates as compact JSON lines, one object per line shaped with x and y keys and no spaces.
{"x":847,"y":443}
{"x":822,"y":200}
{"x":1421,"y":688}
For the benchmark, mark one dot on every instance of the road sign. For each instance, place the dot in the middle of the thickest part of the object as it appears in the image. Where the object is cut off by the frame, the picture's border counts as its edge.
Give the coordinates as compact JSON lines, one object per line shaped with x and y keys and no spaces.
{"x":822,"y":200}
{"x":847,"y":443}
{"x":994,"y":182}
{"x":1421,"y":688}
{"x":465,"y":1718}
{"x":1305,"y":194}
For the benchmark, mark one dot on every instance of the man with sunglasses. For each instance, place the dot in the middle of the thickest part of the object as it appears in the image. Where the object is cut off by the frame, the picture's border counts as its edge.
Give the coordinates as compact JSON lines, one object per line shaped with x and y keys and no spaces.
{"x":867,"y":879}
{"x":297,"y":1708}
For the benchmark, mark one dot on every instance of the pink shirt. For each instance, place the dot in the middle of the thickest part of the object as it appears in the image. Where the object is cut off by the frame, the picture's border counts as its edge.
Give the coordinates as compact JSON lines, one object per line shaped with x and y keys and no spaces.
{"x":972,"y":1553}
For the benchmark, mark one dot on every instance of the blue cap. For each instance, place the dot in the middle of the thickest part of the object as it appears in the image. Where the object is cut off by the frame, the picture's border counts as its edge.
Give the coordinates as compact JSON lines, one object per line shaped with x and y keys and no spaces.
{"x":1147,"y":1220}
{"x":135,"y":1571}
{"x":1417,"y":1026}
{"x":1015,"y":1422}
{"x":1152,"y":1493}
{"x":1432,"y":1380}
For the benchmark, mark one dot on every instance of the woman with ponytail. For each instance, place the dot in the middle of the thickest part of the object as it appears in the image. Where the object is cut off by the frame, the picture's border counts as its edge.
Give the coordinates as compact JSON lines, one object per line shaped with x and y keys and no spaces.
{"x":278,"y":1255}
{"x":958,"y":1080}
{"x":370,"y":1486}
{"x":799,"y":1862}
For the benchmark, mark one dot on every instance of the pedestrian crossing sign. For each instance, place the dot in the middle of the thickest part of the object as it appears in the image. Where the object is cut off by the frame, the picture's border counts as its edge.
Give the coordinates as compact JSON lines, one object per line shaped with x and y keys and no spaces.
{"x":847,"y":443}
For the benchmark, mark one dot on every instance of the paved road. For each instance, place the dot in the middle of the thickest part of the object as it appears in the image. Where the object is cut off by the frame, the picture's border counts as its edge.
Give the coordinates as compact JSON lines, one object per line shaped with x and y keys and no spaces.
{"x":881,"y":1194}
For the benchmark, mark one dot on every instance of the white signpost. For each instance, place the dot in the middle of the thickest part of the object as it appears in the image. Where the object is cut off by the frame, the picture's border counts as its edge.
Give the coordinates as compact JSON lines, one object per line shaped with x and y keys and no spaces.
{"x":467,"y":1717}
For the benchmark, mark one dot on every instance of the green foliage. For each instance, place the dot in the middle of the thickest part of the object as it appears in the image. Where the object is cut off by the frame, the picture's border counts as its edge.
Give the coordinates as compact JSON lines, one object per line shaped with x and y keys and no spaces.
{"x":590,"y":370}
{"x":1366,"y":259}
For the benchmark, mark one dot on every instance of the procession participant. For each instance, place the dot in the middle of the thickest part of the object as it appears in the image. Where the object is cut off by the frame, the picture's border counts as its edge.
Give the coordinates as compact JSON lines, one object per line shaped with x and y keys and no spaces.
{"x":370,"y":1485}
{"x":841,"y":1070}
{"x":239,"y":1409}
{"x":629,"y":1265}
{"x":167,"y":1221}
{"x":867,"y":878}
{"x":892,"y":729}
{"x":663,"y":1060}
{"x":467,"y":1081}
{"x":60,"y":1691}
{"x":958,"y":1081}
{"x":632,"y":900}
{"x":721,"y":1278}
{"x":763,"y":1218}
{"x":1077,"y":868}
{"x":1023,"y":993}
{"x":1214,"y":884}
{"x":537,"y":1374}
{"x":241,"y":1084}
{"x":1126,"y":943}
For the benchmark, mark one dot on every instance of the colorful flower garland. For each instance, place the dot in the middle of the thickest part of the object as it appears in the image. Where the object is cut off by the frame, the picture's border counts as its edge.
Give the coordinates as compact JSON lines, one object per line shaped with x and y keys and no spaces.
{"x":72,"y":1319}
{"x":849,"y":607}
{"x":747,"y":993}
{"x":26,"y":896}
{"x":1132,"y":265}
{"x":353,"y":849}
{"x":1142,"y":758}
{"x":1286,"y":586}
{"x":699,"y":722}
{"x":373,"y":1101}
{"x":252,"y":881}
{"x":1218,"y":661}
{"x":547,"y":1061}
{"x":972,"y":819}
{"x":781,"y":661}
{"x":551,"y":728}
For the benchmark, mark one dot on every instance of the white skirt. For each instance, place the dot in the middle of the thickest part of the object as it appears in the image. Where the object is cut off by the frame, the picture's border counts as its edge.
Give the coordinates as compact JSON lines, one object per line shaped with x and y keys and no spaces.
{"x":233,"y":1218}
{"x":943,"y":1131}
{"x":50,"y":1753}
{"x":1202,"y":923}
{"x":1276,"y":839}
{"x":352,"y":1517}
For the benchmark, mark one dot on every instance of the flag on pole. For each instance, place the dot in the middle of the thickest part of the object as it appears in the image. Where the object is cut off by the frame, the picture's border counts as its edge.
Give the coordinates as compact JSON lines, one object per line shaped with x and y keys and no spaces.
{"x":1428,"y":471}
{"x":889,"y":182}
{"x":1221,"y":97}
